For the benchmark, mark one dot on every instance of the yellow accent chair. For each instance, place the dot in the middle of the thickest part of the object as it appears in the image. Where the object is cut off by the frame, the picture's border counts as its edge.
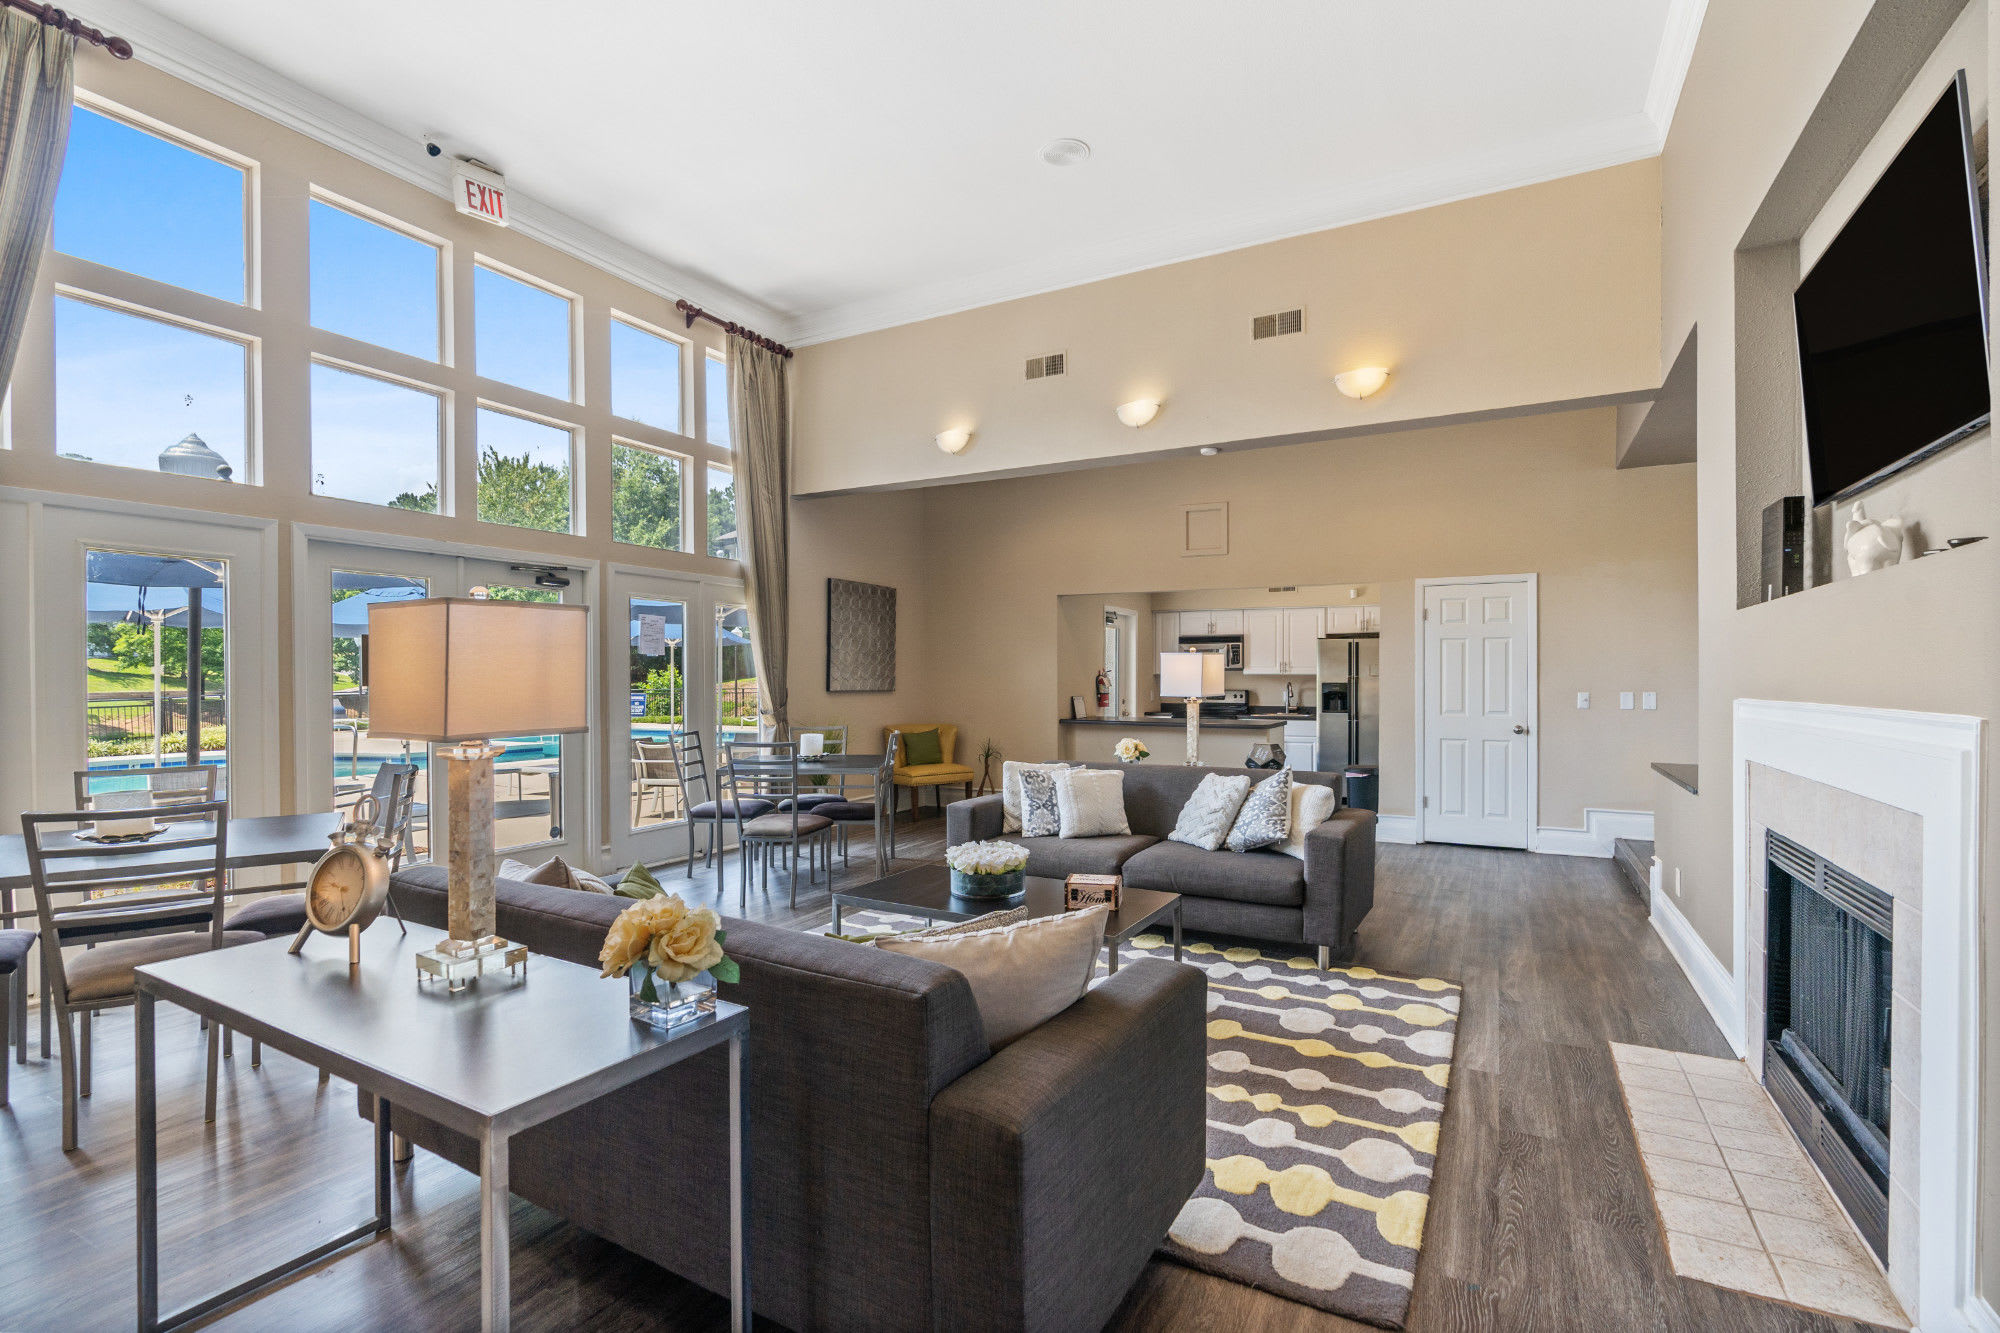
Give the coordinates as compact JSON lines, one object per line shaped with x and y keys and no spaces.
{"x":916,"y":777}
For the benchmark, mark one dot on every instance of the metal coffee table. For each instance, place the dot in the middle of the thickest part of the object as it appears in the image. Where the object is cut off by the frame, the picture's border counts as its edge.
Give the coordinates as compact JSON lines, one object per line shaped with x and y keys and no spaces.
{"x":488,"y":1063}
{"x":926,"y":892}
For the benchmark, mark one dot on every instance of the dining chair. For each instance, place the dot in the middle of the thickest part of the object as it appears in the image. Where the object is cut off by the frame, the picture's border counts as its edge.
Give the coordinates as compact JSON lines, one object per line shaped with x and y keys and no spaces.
{"x":771,"y":770}
{"x":167,"y":786}
{"x":877,"y":810}
{"x":394,"y":788}
{"x":15,"y":946}
{"x":816,"y":792}
{"x":156,"y":885}
{"x":654,"y":774}
{"x":692,"y":769}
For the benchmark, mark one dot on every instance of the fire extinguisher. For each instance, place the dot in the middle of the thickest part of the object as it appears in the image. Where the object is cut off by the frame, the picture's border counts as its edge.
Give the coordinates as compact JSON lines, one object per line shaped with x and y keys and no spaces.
{"x":1103,"y":688}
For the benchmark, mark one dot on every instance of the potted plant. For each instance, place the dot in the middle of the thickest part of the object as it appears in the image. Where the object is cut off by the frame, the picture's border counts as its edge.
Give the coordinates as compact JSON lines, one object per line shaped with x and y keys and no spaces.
{"x":989,"y":754}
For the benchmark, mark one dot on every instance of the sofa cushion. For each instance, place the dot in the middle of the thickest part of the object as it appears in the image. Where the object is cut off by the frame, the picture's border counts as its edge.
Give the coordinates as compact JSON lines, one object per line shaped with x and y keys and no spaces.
{"x":1022,"y":975}
{"x":1056,"y":858}
{"x":1244,"y":877}
{"x":933,"y":775}
{"x":1091,"y":802}
{"x":1311,"y":807}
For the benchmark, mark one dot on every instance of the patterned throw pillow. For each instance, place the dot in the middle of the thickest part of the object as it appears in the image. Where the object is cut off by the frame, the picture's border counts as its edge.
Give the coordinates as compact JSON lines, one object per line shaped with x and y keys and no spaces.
{"x":1090,"y":802}
{"x":1041,"y":817}
{"x":1312,"y":805}
{"x":1209,"y":812}
{"x":1010,"y":791}
{"x":1266,"y":816}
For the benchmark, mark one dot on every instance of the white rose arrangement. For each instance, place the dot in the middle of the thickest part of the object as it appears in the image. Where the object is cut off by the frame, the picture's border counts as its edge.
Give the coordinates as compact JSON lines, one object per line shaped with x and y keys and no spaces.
{"x":1131,"y":750}
{"x":993,"y":857}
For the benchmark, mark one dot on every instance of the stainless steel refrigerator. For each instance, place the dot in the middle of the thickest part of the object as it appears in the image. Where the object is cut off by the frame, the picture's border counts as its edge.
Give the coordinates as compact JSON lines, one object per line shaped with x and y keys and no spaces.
{"x":1350,"y":701}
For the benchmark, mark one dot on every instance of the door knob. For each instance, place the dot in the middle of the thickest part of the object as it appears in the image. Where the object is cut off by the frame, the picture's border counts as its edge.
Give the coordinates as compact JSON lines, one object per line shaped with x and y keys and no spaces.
{"x":1520,"y":730}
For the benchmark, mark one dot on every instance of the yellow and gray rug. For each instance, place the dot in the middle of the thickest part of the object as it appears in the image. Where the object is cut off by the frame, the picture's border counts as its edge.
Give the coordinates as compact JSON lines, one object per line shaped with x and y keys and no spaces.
{"x":1326,"y":1090}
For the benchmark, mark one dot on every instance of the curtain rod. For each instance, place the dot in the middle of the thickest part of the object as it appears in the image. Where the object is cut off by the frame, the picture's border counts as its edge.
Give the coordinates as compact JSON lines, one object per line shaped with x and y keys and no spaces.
{"x":72,"y":25}
{"x":695,"y":312}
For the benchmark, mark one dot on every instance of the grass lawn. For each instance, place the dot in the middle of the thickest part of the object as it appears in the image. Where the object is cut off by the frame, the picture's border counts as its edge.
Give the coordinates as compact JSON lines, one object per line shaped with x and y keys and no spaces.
{"x":108,"y":674}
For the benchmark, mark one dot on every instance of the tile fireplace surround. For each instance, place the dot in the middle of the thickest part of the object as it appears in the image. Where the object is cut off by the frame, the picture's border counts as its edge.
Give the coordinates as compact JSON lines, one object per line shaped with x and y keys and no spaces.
{"x":1892,"y":797}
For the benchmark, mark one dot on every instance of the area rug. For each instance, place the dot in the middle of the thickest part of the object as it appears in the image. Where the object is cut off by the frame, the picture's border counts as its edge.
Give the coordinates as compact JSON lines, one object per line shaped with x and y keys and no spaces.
{"x":1326,"y":1090}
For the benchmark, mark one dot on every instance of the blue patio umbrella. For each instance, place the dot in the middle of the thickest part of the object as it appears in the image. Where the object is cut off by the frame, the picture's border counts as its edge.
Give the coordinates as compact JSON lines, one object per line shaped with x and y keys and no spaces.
{"x":350,"y":614}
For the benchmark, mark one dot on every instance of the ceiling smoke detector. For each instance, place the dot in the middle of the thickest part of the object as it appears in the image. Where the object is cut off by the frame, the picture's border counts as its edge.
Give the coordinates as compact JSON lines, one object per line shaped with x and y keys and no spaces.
{"x":1065,"y":152}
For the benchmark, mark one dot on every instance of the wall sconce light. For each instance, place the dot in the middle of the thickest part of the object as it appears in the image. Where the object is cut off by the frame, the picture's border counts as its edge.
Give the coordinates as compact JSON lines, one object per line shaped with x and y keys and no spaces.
{"x":954,"y":441}
{"x":1360,"y":383}
{"x":1139,"y":411}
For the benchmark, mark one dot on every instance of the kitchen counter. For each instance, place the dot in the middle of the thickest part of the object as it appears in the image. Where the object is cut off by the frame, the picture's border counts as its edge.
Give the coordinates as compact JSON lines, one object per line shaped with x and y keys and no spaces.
{"x":1261,"y":722}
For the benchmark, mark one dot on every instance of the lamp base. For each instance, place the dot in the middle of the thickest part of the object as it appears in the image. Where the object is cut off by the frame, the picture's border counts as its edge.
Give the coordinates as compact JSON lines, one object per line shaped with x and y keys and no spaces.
{"x":1193,"y":733}
{"x":459,"y":963}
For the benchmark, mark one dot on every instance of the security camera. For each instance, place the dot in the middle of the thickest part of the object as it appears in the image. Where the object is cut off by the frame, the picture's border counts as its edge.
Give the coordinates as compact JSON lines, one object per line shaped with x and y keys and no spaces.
{"x":432,"y":148}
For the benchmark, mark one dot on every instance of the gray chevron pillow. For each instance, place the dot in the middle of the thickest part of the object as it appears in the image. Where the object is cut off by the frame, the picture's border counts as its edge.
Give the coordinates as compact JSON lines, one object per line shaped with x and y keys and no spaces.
{"x":1266,"y":816}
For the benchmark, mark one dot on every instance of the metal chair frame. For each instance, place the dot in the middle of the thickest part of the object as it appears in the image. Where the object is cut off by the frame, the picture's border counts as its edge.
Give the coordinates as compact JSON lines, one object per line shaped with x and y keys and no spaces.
{"x":768,"y":785}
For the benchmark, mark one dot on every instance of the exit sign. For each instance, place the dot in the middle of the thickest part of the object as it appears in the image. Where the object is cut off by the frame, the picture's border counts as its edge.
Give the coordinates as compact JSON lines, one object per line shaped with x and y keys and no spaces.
{"x":480,"y":193}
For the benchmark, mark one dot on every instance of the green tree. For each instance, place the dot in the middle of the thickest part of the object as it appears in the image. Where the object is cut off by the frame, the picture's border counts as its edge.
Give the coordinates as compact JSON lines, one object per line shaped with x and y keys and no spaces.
{"x":645,"y":498}
{"x":427,"y":503}
{"x":132,"y":646}
{"x":516,"y":491}
{"x":722,"y":535}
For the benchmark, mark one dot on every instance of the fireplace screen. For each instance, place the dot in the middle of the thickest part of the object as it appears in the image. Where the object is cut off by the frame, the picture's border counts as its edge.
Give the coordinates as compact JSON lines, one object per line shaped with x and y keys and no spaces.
{"x":1827,"y":1002}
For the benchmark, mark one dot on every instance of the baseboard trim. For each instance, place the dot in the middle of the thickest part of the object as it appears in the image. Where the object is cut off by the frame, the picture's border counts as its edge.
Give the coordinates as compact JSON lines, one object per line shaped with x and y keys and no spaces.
{"x":1601,"y":830}
{"x":1705,"y":972}
{"x":1395,"y":828}
{"x":1980,"y":1316}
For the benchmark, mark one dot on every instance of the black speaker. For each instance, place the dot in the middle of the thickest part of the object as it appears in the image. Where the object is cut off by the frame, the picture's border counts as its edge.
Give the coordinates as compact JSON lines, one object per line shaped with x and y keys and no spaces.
{"x":1785,"y":547}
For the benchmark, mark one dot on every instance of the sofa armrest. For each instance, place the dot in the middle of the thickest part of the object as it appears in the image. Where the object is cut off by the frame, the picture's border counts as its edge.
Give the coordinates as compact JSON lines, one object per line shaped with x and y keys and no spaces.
{"x":1340,"y":877}
{"x":1059,"y":1163}
{"x":975,"y":820}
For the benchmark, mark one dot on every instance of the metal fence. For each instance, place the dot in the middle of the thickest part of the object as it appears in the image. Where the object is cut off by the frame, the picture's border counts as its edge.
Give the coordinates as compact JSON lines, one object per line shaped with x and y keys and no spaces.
{"x":124,"y":718}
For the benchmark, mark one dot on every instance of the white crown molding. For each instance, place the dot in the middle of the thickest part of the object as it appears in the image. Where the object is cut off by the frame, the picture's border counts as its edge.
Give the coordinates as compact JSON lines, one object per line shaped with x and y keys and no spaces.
{"x":1551,"y":157}
{"x":1670,"y":65}
{"x":173,"y":48}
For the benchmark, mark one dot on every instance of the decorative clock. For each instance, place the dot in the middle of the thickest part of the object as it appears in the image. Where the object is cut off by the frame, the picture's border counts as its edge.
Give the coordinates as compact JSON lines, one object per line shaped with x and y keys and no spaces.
{"x":349,"y":886}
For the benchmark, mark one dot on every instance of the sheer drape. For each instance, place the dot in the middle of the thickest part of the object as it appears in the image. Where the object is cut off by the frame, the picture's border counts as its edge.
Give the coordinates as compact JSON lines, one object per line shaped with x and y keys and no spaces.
{"x":760,"y":430}
{"x":37,"y":64}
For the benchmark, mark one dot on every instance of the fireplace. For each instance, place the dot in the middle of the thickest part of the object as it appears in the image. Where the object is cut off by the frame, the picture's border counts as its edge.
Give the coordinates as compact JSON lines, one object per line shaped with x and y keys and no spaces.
{"x":1828,"y":986}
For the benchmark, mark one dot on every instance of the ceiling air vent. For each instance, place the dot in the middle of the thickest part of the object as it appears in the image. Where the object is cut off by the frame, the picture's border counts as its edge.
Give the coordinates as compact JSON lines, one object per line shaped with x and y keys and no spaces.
{"x":1043,"y":367}
{"x":1278,"y":325}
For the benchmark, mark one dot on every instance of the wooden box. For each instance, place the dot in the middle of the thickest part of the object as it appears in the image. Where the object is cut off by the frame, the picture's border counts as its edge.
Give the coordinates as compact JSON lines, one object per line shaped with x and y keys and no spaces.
{"x":1090,"y":890}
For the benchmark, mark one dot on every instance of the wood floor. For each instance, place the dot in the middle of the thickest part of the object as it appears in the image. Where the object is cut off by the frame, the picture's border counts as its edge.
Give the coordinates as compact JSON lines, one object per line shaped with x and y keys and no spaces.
{"x":1539,"y":1217}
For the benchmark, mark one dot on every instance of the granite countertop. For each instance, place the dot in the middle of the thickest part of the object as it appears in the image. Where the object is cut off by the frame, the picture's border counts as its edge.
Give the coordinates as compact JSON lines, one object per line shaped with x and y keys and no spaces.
{"x":1685,"y":776}
{"x":1261,"y":722}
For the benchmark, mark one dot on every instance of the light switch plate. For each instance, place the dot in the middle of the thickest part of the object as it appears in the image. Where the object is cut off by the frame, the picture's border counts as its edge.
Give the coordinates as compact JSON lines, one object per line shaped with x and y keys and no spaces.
{"x":1625,"y":699}
{"x":1649,"y":700}
{"x":1583,"y":698}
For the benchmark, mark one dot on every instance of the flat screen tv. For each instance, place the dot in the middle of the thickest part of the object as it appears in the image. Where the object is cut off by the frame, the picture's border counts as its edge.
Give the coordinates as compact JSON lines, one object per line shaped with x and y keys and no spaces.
{"x":1892,"y":319}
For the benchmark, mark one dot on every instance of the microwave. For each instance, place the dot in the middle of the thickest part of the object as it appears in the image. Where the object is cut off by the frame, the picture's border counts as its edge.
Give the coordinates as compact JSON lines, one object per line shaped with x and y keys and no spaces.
{"x":1229,"y":645}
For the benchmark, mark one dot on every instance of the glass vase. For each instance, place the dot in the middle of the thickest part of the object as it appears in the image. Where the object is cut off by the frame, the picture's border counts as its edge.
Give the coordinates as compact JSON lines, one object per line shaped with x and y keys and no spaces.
{"x":1003,"y":885}
{"x":664,"y":1004}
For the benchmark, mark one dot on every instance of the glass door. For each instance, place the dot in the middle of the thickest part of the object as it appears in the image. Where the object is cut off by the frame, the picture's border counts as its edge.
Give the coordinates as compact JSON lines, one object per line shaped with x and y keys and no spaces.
{"x":531,"y":788}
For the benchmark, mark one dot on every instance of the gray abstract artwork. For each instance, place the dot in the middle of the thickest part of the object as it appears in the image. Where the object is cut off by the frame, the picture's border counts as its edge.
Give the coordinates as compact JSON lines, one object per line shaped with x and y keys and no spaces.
{"x":860,"y":637}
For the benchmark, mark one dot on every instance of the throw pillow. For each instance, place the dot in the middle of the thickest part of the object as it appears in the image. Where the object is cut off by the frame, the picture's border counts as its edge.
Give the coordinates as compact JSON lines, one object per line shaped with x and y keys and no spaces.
{"x":556,"y":873}
{"x":1010,"y":791}
{"x":921,"y":747}
{"x":1090,"y":802}
{"x":1266,"y":816}
{"x":1041,"y":817}
{"x":1312,"y":805}
{"x":990,"y":921}
{"x":1021,"y":975}
{"x":1205,"y":819}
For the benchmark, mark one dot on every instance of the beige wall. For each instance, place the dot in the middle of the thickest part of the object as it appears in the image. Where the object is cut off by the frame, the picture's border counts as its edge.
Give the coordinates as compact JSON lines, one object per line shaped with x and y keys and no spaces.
{"x":1546,"y":294}
{"x":1921,"y":636}
{"x":1614,"y":551}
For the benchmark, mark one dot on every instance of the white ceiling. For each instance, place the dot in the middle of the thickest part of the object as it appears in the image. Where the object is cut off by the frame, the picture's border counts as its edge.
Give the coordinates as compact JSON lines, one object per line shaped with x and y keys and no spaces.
{"x":832,"y":168}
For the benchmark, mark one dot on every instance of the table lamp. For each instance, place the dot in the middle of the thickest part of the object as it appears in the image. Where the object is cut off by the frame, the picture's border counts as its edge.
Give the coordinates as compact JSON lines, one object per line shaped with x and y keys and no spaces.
{"x":1191,"y":676}
{"x":459,"y":671}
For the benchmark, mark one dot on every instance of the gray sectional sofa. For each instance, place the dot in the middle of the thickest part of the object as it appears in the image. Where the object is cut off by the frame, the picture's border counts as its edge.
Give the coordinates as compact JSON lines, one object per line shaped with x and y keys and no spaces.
{"x":903,"y":1175}
{"x":1261,"y":895}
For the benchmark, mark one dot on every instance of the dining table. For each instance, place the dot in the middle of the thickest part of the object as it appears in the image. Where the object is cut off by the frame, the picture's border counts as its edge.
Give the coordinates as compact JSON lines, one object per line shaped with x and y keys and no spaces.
{"x":757,"y":770}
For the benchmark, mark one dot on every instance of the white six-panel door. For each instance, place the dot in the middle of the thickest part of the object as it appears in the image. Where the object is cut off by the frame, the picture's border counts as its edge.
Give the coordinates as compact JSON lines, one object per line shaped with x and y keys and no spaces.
{"x":1478,"y":712}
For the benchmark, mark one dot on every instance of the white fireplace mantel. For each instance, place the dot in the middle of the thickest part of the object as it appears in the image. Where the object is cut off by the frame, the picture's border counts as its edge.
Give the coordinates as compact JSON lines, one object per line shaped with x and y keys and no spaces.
{"x":1929,"y":765}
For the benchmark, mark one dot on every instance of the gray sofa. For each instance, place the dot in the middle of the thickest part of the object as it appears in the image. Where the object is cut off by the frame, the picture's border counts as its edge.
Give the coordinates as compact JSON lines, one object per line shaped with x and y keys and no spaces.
{"x":1261,"y":895}
{"x":903,"y":1174}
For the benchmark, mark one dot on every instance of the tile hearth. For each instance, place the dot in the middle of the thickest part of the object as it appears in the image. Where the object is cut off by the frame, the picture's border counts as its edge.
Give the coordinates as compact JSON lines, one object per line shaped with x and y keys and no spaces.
{"x":1741,"y":1205}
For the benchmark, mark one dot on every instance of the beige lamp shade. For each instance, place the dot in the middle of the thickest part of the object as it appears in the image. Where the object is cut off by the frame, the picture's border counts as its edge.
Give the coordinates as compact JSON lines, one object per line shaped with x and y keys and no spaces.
{"x":464,"y":669}
{"x":1185,"y":675}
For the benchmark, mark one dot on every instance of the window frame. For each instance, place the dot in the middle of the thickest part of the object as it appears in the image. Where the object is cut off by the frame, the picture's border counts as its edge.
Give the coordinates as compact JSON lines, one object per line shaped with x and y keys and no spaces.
{"x":319,"y":194}
{"x":687,"y":350}
{"x":573,"y":343}
{"x":684,"y":466}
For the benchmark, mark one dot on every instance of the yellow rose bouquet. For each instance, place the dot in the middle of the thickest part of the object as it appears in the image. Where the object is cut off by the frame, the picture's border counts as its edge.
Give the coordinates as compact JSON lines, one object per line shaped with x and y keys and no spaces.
{"x":660,"y":938}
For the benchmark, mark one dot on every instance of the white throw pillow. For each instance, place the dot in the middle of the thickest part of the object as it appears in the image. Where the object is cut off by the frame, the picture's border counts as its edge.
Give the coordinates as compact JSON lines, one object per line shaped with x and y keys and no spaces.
{"x":1041,"y":817}
{"x":1210,"y":810}
{"x":1266,"y":816}
{"x":1091,"y":802}
{"x":1010,"y":791}
{"x":1312,"y":805}
{"x":1022,"y":975}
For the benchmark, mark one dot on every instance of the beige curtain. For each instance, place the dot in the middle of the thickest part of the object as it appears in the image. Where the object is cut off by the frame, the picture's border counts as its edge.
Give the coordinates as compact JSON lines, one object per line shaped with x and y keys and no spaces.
{"x":760,"y":429}
{"x":36,"y":68}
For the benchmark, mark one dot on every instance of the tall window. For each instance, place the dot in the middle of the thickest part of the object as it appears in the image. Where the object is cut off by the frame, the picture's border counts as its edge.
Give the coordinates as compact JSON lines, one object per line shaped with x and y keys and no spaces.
{"x":524,"y":472}
{"x":735,"y":676}
{"x":374,"y":283}
{"x":716,"y":391}
{"x":658,"y":707}
{"x":645,"y":376}
{"x":521,"y":333}
{"x":722,"y":514}
{"x":374,"y":440}
{"x":645,"y":497}
{"x":155,"y":664}
{"x":135,"y":201}
{"x":145,"y":393}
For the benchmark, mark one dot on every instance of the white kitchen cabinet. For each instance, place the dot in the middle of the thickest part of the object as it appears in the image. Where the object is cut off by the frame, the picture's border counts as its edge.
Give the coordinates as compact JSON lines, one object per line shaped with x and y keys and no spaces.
{"x":1263,"y":641}
{"x":1302,"y":627}
{"x":1353,"y":619}
{"x":1302,"y":746}
{"x":1371,"y":618}
{"x":1166,"y":634}
{"x":1226,"y":622}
